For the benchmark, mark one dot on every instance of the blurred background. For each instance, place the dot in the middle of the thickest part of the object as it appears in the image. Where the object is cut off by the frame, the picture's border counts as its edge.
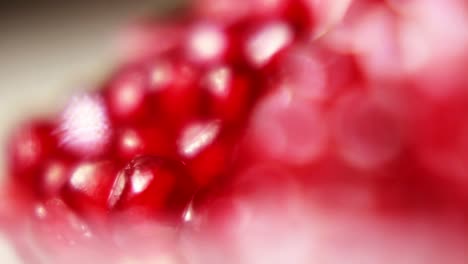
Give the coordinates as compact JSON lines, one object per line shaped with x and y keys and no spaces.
{"x":49,"y":48}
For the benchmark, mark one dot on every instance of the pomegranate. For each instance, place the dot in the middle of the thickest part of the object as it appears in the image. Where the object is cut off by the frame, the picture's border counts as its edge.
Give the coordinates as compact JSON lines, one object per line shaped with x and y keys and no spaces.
{"x":258,"y":131}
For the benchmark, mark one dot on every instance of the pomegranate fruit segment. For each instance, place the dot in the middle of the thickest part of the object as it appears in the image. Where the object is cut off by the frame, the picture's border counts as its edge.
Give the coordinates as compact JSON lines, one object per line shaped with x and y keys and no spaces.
{"x":258,"y":131}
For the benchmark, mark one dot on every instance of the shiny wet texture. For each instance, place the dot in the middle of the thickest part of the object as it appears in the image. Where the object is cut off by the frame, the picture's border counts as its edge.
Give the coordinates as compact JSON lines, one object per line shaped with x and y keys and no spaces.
{"x":260,"y":132}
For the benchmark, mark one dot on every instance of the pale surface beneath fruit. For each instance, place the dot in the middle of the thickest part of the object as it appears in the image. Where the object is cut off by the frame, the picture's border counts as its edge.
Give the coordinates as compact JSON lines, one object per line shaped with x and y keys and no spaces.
{"x":50,"y":50}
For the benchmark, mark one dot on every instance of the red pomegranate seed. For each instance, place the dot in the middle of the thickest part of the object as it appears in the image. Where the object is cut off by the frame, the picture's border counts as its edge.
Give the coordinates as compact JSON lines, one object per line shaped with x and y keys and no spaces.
{"x":206,"y":43}
{"x":176,"y":91}
{"x":134,"y":141}
{"x":197,"y":136}
{"x":157,"y":187}
{"x":29,"y":147}
{"x":266,"y":41}
{"x":212,"y":163}
{"x":94,"y":187}
{"x":230,"y":94}
{"x":126,"y":94}
{"x":53,"y":176}
{"x":206,"y":149}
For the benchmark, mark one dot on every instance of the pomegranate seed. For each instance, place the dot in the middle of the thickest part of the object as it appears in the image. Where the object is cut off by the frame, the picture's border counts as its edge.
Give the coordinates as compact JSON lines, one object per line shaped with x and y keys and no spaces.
{"x":212,"y":163}
{"x":176,"y":91}
{"x":230,"y":94}
{"x":126,"y":95}
{"x":134,"y":141}
{"x":53,"y":177}
{"x":94,"y":187}
{"x":205,"y":149}
{"x":266,"y":41}
{"x":156,"y":187}
{"x":162,"y":74}
{"x":206,"y":43}
{"x":31,"y":145}
{"x":197,"y":136}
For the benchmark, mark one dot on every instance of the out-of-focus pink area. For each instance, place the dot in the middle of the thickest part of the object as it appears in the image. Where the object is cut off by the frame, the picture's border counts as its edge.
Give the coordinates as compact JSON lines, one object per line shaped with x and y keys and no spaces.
{"x":413,"y":54}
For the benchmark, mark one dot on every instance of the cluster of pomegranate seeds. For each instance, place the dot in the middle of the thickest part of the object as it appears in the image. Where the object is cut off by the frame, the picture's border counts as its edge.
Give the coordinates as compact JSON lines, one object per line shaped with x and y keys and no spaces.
{"x":258,"y":131}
